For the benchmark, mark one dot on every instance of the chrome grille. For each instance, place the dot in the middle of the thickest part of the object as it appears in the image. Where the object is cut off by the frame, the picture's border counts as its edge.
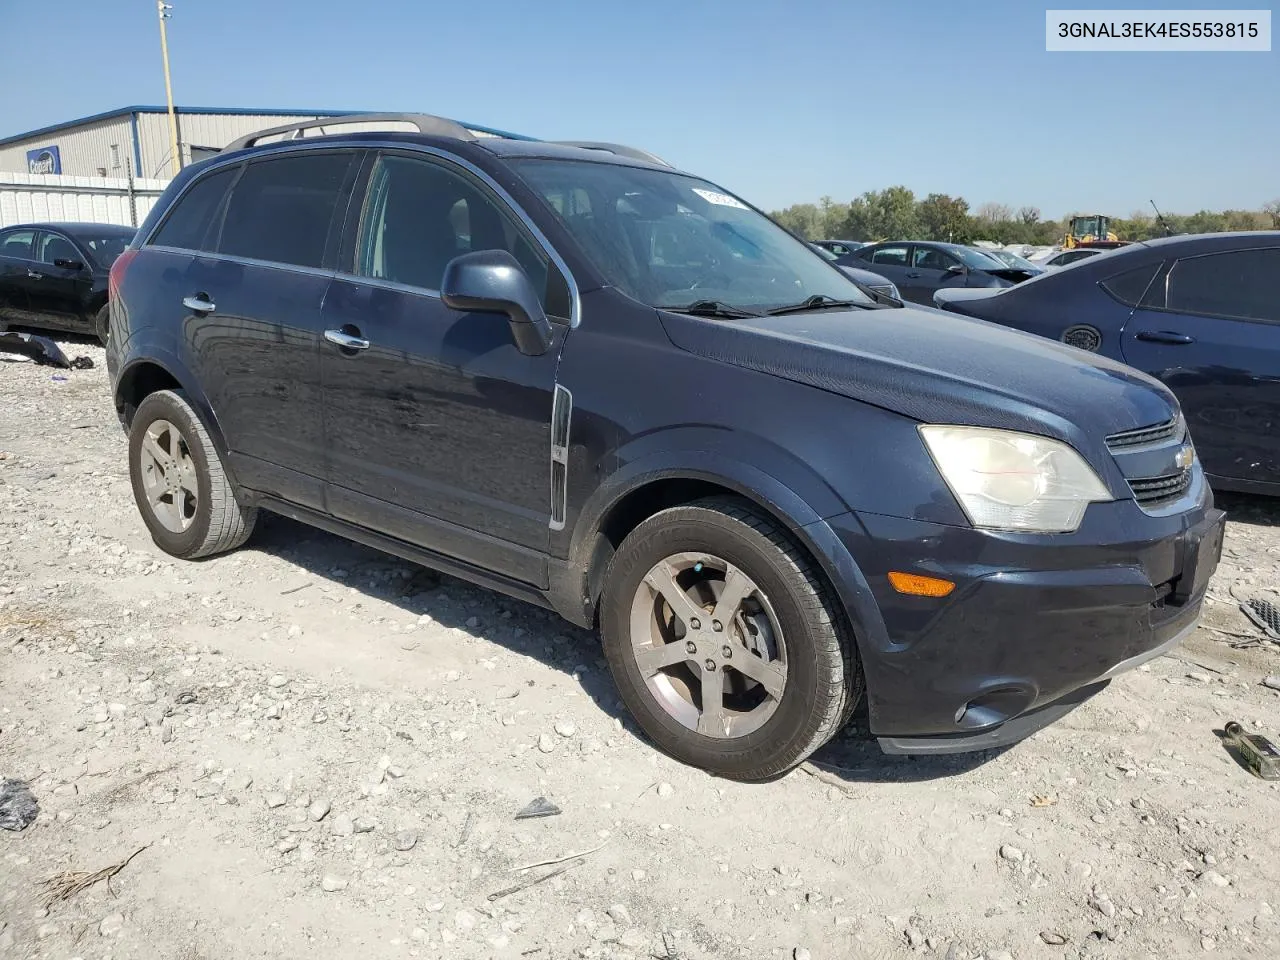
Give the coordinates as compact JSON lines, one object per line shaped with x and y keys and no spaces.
{"x":1153,"y":491}
{"x":1144,"y":435}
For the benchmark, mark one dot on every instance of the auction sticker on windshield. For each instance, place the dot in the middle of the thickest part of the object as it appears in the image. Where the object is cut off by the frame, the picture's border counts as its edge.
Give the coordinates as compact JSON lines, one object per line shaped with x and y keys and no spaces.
{"x":720,"y":199}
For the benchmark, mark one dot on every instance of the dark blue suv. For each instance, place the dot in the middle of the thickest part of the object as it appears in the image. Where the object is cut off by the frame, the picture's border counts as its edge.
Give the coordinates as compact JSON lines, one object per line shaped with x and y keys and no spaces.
{"x":579,"y":376}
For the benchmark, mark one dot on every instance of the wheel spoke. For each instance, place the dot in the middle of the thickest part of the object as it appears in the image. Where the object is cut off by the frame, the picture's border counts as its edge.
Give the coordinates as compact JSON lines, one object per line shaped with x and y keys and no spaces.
{"x":712,"y":719}
{"x":152,"y":447}
{"x":175,"y":444}
{"x":737,"y":587}
{"x":771,"y":674}
{"x":653,"y":658}
{"x":662,"y":578}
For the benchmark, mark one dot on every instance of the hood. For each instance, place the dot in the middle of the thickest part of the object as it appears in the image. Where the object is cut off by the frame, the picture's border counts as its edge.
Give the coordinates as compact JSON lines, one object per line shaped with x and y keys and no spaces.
{"x":1013,"y":274}
{"x":938,"y":367}
{"x":944,"y":295}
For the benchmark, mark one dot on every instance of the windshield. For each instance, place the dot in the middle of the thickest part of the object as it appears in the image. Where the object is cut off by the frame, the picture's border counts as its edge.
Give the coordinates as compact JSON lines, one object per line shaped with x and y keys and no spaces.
{"x":670,"y":240}
{"x":975,"y":259}
{"x":1011,"y":259}
{"x":104,"y":248}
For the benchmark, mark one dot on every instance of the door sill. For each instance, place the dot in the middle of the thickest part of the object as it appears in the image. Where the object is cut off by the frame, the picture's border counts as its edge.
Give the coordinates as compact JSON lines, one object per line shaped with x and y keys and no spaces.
{"x":408,"y":551}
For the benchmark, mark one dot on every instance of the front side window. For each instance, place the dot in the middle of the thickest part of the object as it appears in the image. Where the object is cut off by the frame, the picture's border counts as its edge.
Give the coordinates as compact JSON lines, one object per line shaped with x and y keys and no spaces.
{"x":190,"y":224}
{"x":1242,"y":284}
{"x":281,"y":208}
{"x":53,"y":247}
{"x":928,"y":258}
{"x":17,"y":244}
{"x":419,"y":215}
{"x":670,"y":240}
{"x":104,"y":248}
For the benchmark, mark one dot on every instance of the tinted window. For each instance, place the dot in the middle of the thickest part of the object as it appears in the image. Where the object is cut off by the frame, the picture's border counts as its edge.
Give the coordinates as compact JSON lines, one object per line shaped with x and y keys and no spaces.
{"x":17,"y":244}
{"x":54,"y":246}
{"x":280,"y":209}
{"x":930,"y":259}
{"x":188,"y":224}
{"x":894,"y":256}
{"x":106,"y":247}
{"x":419,"y":215}
{"x":1243,"y":283}
{"x":1128,"y":287}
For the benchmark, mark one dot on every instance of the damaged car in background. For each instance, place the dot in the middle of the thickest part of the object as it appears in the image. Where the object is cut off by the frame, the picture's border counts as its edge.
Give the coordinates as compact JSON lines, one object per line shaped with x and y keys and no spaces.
{"x":919,"y":268}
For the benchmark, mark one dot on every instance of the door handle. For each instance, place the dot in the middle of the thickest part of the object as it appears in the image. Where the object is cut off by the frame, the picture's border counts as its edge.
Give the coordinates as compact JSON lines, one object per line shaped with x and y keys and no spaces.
{"x":32,"y":275}
{"x":346,"y":340}
{"x":200,"y":303}
{"x":1164,"y":336}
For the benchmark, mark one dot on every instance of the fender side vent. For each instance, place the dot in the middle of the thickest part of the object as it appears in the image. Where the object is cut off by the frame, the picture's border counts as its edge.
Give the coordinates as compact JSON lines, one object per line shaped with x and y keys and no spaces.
{"x":561,"y":415}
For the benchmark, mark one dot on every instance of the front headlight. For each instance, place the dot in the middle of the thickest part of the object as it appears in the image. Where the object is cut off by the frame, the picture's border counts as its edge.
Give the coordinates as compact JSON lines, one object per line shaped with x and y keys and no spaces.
{"x":1014,"y":481}
{"x":893,"y":291}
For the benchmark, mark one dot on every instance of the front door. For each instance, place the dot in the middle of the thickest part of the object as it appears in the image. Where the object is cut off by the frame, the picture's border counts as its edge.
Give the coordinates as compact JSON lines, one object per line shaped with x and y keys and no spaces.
{"x":439,"y":430}
{"x":15,"y":264}
{"x":57,"y":290}
{"x":1209,"y":327}
{"x":930,"y":270}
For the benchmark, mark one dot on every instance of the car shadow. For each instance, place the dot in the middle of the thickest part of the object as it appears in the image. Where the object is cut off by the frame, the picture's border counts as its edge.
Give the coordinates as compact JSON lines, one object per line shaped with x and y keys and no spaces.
{"x":1249,"y":508}
{"x":541,"y":634}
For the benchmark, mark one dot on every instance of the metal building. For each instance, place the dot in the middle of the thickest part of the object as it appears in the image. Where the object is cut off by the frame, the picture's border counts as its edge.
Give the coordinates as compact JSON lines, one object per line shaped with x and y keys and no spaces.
{"x":135,"y":141}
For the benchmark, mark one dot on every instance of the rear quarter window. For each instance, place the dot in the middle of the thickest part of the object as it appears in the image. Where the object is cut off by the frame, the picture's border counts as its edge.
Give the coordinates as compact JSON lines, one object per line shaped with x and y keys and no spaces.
{"x":189,"y":225}
{"x":1130,"y":286}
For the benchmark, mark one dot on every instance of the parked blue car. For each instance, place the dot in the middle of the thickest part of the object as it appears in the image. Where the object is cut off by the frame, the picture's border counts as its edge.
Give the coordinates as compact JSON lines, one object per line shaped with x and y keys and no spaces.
{"x":1201,"y":313}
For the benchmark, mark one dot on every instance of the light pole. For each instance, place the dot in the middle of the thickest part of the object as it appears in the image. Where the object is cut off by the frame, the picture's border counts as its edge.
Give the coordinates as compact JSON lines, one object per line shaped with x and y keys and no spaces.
{"x":163,"y":9}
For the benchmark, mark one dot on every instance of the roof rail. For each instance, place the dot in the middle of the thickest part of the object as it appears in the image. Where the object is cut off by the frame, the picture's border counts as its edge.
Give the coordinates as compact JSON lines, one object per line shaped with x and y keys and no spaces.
{"x":424,"y":122}
{"x":633,"y":153}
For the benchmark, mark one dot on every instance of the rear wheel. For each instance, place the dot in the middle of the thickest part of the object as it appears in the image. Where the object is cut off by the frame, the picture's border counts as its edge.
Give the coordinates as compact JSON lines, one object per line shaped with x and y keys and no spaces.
{"x":725,"y":642}
{"x":179,"y":484}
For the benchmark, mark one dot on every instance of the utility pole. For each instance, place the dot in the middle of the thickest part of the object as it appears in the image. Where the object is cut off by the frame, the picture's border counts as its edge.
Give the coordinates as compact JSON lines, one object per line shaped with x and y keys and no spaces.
{"x":163,"y":9}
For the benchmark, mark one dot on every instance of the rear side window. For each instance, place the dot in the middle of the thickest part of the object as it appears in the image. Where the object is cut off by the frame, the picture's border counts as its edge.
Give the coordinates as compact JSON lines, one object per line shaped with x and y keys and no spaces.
{"x":190,"y":224}
{"x":1128,"y":287}
{"x":893,"y":256}
{"x":17,"y":244}
{"x":281,"y":209}
{"x":1242,"y":284}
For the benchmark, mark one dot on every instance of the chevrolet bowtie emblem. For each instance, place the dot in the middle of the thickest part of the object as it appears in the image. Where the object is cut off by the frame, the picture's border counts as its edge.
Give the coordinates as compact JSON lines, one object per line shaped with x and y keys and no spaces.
{"x":1186,"y":457}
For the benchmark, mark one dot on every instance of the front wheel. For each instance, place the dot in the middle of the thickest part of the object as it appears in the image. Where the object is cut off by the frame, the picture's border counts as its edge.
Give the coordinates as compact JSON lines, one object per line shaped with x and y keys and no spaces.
{"x":725,"y":642}
{"x":102,"y":324}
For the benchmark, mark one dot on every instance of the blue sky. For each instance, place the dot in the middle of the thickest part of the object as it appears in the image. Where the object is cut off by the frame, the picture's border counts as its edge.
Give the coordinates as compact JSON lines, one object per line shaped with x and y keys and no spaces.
{"x":781,"y":102}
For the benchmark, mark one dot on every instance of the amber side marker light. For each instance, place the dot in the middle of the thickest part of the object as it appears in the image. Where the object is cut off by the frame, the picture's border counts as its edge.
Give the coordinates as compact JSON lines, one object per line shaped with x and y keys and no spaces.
{"x":917,"y":585}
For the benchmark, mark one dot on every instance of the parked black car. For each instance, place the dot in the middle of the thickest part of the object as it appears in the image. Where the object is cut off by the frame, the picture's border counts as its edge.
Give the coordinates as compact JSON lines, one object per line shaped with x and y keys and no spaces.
{"x":1201,"y":313}
{"x":919,"y":268}
{"x":54,"y":275}
{"x":871,"y":281}
{"x":841,"y":248}
{"x":594,"y":382}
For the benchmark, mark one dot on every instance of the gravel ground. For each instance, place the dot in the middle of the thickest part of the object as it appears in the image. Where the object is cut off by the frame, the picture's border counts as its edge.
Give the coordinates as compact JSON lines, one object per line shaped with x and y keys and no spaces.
{"x":320,"y":750}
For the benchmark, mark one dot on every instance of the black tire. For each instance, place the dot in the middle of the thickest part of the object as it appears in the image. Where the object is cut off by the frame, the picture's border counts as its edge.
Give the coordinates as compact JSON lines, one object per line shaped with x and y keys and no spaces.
{"x":824,"y":680}
{"x":220,"y":522}
{"x":102,"y":324}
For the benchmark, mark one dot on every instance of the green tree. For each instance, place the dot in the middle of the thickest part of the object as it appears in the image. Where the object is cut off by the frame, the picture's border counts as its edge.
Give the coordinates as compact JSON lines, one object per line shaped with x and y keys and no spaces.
{"x":942,"y":217}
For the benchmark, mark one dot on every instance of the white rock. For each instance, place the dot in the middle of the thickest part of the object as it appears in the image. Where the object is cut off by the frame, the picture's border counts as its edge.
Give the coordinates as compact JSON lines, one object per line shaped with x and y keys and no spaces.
{"x":342,"y":826}
{"x":111,"y":925}
{"x":319,"y":810}
{"x":665,"y":790}
{"x":1008,"y":852}
{"x":464,"y":921}
{"x":332,"y":884}
{"x":801,"y":953}
{"x":620,"y":914}
{"x":545,"y":743}
{"x":1215,"y":878}
{"x":274,"y":800}
{"x":277,"y":681}
{"x":565,"y":728}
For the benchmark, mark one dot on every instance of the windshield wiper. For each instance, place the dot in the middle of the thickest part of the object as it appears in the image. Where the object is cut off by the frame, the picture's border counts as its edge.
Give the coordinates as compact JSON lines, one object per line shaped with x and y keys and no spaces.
{"x":819,"y":301}
{"x":715,"y":308}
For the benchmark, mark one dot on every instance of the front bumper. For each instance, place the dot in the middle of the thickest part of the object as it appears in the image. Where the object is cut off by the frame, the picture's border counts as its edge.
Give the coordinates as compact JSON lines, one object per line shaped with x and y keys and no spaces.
{"x":1035,"y":626}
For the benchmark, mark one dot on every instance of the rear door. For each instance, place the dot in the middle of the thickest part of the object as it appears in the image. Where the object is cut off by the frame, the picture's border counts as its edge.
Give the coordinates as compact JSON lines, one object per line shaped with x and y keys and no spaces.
{"x":58,"y":290}
{"x":253,"y":310}
{"x":890,"y":261}
{"x":15,"y":263}
{"x":1209,"y":327}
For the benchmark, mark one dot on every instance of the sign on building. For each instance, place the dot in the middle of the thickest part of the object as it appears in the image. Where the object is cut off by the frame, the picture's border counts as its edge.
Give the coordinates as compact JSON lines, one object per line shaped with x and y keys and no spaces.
{"x":44,"y":160}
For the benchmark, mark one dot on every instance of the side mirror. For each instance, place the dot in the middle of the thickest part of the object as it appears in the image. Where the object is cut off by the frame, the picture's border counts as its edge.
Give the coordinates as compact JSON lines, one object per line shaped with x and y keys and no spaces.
{"x":492,"y":281}
{"x":957,"y":269}
{"x":68,"y":264}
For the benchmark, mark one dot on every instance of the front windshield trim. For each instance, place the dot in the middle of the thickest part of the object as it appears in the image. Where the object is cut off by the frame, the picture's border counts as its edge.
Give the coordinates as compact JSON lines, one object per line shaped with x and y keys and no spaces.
{"x":666,"y":238}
